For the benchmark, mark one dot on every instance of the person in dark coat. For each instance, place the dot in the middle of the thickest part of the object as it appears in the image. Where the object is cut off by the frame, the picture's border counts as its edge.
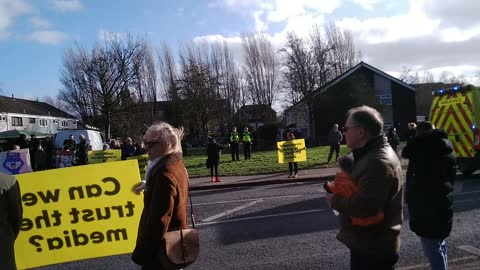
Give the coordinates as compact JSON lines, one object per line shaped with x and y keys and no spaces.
{"x":430,"y":178}
{"x":411,"y":132}
{"x":22,"y":142}
{"x":165,"y":194}
{"x":10,"y":218}
{"x":128,"y":149}
{"x":82,"y":151}
{"x":334,"y":139}
{"x":377,"y":172}
{"x":70,"y":144}
{"x":213,"y":154}
{"x":393,"y":139}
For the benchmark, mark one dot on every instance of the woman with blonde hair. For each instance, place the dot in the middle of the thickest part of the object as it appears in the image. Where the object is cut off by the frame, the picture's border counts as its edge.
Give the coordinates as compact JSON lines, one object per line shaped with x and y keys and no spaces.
{"x":165,"y":194}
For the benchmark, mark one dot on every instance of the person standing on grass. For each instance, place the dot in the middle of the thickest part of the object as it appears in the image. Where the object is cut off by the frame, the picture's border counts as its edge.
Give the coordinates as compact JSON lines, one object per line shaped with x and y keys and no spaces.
{"x":430,"y":178}
{"x":377,"y":173}
{"x":334,"y":139}
{"x":247,"y":143}
{"x":214,"y":151}
{"x":292,"y":166}
{"x":233,"y":140}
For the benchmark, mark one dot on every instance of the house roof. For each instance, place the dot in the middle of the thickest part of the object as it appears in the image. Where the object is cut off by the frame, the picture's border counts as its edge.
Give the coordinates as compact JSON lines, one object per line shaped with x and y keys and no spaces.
{"x":348,"y":73}
{"x":24,"y":106}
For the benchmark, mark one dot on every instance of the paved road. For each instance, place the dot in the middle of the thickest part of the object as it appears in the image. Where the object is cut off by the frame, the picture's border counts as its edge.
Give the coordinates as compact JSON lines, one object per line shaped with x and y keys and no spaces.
{"x":289,"y":226}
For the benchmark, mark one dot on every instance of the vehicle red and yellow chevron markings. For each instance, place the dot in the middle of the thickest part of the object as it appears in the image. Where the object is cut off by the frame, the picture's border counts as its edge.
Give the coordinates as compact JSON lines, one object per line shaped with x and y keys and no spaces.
{"x":453,"y":113}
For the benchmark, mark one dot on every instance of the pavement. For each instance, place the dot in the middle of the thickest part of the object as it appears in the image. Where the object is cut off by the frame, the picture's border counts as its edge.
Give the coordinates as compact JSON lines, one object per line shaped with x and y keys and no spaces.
{"x":315,"y":174}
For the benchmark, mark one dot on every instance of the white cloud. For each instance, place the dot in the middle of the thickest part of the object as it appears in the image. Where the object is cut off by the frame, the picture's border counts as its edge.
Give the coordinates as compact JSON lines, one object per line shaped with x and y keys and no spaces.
{"x":39,"y":22}
{"x":391,"y":29}
{"x":67,"y":5}
{"x":266,"y":12}
{"x":452,"y":34}
{"x":9,"y":9}
{"x":366,"y":4}
{"x":48,"y":37}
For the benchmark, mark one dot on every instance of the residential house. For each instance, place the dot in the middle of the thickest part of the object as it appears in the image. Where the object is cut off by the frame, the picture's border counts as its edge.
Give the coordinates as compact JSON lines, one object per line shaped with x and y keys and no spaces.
{"x":363,"y":84}
{"x":22,"y":114}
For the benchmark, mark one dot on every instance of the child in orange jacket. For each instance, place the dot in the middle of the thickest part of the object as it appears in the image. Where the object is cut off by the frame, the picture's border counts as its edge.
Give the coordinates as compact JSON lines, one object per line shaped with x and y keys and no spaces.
{"x":343,"y":185}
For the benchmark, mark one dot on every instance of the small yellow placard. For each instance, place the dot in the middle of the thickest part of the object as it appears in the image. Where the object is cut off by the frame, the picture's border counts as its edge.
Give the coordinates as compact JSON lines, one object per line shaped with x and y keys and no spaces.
{"x":292,"y":151}
{"x":100,"y":156}
{"x":78,"y":213}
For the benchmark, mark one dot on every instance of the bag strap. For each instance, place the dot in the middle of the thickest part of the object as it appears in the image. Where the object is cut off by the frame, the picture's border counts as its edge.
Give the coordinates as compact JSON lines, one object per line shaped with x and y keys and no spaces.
{"x":192,"y":216}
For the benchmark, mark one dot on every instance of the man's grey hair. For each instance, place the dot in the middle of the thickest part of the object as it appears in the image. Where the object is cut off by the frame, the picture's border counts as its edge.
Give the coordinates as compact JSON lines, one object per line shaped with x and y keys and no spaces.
{"x":168,"y":135}
{"x":368,"y":118}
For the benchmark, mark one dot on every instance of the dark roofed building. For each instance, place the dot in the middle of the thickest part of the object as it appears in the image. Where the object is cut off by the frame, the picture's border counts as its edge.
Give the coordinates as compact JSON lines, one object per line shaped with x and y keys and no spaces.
{"x":22,"y":114}
{"x":256,"y":115}
{"x":363,"y":84}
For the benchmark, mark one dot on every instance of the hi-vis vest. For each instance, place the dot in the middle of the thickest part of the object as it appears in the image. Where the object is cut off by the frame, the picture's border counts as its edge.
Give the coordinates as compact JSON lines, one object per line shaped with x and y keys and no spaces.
{"x":234,"y":137}
{"x":247,"y":137}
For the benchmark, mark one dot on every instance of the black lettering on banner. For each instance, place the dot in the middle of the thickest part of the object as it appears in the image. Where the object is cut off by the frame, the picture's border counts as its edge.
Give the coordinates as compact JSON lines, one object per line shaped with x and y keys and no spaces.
{"x":104,"y":213}
{"x":94,"y":190}
{"x":74,"y":239}
{"x":45,"y":220}
{"x":30,"y":199}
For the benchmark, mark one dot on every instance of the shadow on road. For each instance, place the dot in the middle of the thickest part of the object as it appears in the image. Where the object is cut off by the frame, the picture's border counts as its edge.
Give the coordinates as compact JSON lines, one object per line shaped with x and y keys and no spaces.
{"x":278,"y":226}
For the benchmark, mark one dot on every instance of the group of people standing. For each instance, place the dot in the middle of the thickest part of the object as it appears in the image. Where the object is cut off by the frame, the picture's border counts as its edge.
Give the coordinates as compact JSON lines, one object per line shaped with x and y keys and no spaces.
{"x":214,"y":150}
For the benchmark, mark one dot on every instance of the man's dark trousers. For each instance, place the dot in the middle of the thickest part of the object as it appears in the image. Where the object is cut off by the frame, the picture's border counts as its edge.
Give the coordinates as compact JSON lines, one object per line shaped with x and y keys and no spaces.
{"x":363,"y":262}
{"x":336,"y":148}
{"x":247,"y":150}
{"x":234,"y":148}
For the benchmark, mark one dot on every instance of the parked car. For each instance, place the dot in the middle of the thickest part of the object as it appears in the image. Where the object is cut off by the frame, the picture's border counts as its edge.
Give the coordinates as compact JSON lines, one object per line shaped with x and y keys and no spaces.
{"x":93,"y":137}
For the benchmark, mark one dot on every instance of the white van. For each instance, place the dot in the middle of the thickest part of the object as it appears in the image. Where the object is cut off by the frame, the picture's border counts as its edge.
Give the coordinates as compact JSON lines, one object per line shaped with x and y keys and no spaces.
{"x":94,"y":138}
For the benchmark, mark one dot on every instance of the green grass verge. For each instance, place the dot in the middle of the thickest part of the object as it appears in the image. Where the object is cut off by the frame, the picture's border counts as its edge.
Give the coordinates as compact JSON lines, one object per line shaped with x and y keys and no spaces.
{"x":262,"y":162}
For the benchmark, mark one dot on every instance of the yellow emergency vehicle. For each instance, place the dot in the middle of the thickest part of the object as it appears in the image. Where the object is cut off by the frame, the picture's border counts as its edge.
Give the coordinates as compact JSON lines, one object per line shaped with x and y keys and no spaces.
{"x":457,"y":111}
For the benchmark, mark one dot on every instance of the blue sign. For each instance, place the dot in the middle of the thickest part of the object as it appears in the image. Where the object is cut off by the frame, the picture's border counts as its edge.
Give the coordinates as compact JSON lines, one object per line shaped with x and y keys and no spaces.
{"x":13,"y":163}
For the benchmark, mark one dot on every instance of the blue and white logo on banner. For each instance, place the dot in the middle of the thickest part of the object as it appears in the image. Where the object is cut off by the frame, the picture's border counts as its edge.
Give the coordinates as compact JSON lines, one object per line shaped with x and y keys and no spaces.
{"x":15,"y":162}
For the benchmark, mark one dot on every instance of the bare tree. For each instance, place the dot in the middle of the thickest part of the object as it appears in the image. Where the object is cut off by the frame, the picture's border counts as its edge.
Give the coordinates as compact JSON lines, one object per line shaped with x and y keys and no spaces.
{"x":226,"y":76}
{"x":168,"y":72}
{"x":198,"y":87}
{"x":427,"y":77}
{"x":334,"y":52}
{"x":261,"y":69}
{"x":300,"y":77}
{"x":407,"y":75}
{"x":97,"y":85}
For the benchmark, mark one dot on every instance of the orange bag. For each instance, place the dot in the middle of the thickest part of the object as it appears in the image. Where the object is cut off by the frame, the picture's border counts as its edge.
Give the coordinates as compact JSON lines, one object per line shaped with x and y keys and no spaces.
{"x":344,"y":186}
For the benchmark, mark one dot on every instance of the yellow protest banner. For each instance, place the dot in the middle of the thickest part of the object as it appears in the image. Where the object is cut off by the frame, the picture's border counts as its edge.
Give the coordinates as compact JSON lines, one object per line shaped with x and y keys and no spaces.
{"x":78,"y":213}
{"x":99,"y":156}
{"x":292,"y":151}
{"x":142,"y":163}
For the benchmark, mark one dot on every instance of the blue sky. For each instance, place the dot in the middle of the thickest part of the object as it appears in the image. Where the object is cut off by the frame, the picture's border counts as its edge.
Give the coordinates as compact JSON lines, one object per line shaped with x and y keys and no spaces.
{"x":426,"y":35}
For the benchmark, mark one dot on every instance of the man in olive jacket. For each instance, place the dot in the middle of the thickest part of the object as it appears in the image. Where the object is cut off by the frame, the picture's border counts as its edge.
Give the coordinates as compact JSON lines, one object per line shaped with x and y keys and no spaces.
{"x":378,"y":174}
{"x":10,"y":218}
{"x":430,"y":178}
